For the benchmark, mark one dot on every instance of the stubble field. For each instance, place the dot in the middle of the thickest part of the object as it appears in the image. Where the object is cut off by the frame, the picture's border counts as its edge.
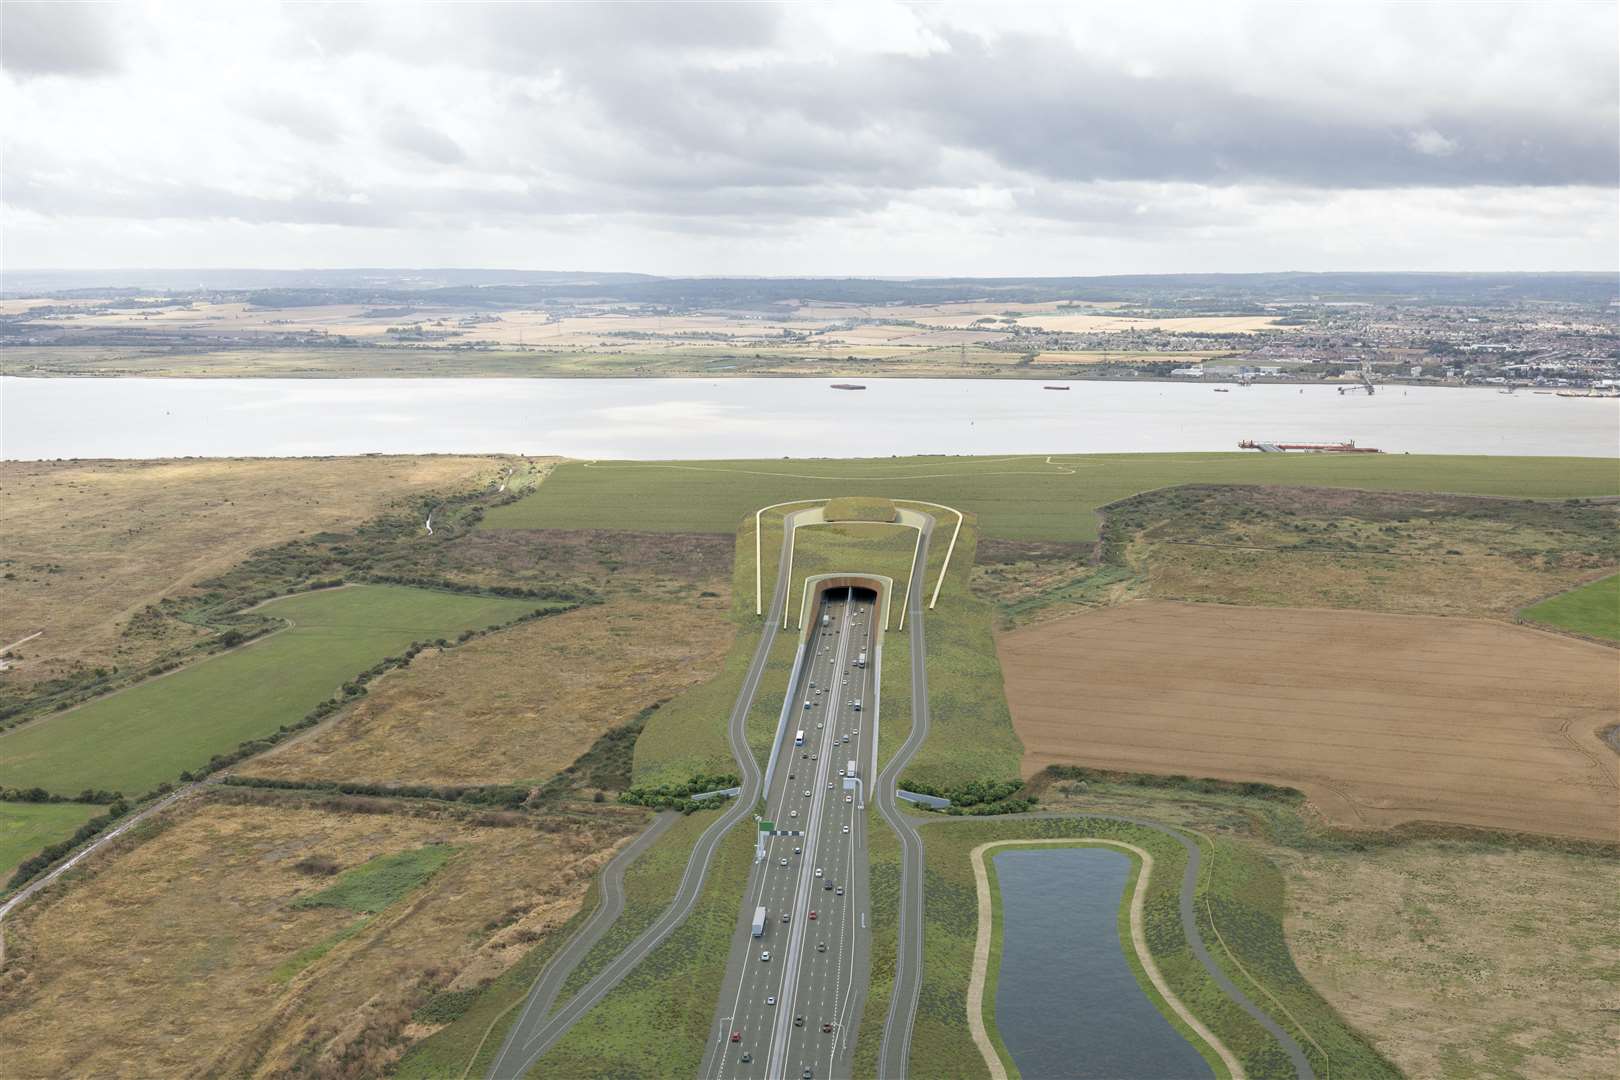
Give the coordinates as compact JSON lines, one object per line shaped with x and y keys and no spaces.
{"x":1379,"y":719}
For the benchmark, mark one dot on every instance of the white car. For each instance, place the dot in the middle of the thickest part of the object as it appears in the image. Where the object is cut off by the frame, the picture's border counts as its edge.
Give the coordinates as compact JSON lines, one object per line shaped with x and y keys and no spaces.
{"x":818,"y":871}
{"x":807,"y":793}
{"x":765,"y":957}
{"x":829,"y":785}
{"x":784,"y":861}
{"x":771,"y":1000}
{"x":849,"y":798}
{"x":846,"y":828}
{"x":793,"y":813}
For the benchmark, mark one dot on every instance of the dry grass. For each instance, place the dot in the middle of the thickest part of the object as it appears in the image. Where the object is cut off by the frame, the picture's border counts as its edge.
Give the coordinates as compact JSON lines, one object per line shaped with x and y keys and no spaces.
{"x":1379,"y":719}
{"x":519,"y":705}
{"x":90,"y":543}
{"x":165,"y":961}
{"x":1459,"y":961}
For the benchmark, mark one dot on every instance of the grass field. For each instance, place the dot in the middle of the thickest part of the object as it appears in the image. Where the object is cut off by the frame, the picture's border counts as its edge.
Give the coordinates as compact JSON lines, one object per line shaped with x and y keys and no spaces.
{"x":657,"y":1021}
{"x":1451,"y":958}
{"x":941,"y":1045}
{"x":520,"y":705}
{"x":89,"y":544}
{"x":1380,"y":719}
{"x":25,"y":828}
{"x":1017,"y":498}
{"x":197,"y":949}
{"x":1593,"y":610}
{"x":149,"y":734}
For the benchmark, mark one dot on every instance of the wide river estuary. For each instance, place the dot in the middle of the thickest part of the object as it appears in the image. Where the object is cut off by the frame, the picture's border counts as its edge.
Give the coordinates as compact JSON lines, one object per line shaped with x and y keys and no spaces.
{"x":733,"y":418}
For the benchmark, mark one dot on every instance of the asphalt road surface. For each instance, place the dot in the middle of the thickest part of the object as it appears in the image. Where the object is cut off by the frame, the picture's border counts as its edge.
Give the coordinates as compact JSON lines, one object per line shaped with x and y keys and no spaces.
{"x":536,"y":1031}
{"x":793,"y":995}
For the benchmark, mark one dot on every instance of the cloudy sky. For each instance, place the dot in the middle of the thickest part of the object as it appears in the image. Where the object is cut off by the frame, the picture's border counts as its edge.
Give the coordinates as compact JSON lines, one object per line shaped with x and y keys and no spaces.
{"x":686,"y":138}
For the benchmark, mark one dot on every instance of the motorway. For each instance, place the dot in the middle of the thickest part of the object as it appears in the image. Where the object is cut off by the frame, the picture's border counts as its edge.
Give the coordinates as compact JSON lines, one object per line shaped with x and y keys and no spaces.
{"x":535,"y":1031}
{"x":793,"y":995}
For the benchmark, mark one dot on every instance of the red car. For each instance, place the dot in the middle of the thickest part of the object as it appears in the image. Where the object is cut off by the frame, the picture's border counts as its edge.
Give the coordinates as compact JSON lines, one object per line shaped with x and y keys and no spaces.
{"x":812,"y":914}
{"x":736,"y":1036}
{"x":826,"y":1027}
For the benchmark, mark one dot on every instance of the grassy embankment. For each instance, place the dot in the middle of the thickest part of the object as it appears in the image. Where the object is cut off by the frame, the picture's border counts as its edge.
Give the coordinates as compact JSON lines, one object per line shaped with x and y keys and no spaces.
{"x":146,"y":735}
{"x":1019,"y":498}
{"x":27,"y":827}
{"x":1248,"y":913}
{"x":1593,"y":609}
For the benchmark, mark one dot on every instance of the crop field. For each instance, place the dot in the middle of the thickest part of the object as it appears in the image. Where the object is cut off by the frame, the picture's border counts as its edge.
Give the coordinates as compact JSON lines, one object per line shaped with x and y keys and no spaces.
{"x":25,"y":828}
{"x":280,"y":936}
{"x":1593,"y":610}
{"x":1018,"y":498}
{"x":134,"y":740}
{"x":1379,"y":719}
{"x":91,"y":543}
{"x":520,"y":705}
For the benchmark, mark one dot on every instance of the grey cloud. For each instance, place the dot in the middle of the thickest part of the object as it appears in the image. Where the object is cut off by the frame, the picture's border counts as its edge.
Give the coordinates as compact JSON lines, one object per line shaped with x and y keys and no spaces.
{"x":305,"y":119}
{"x":56,"y":39}
{"x":427,"y":142}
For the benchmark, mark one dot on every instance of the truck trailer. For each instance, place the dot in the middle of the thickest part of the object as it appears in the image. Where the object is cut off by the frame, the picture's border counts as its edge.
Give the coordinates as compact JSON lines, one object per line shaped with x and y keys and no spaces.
{"x":759,"y":922}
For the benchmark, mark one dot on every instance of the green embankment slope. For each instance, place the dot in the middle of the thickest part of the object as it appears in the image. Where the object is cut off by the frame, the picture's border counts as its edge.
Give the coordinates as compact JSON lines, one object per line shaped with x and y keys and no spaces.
{"x":25,"y":828}
{"x":1592,"y":609}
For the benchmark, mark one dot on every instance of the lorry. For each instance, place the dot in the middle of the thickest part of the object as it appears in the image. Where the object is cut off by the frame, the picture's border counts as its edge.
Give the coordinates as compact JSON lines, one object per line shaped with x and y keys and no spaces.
{"x":860,"y":661}
{"x":759,"y":922}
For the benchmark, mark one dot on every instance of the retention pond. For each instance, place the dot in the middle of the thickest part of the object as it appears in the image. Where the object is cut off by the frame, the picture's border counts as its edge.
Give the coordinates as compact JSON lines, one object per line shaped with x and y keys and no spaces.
{"x":1067,"y":1001}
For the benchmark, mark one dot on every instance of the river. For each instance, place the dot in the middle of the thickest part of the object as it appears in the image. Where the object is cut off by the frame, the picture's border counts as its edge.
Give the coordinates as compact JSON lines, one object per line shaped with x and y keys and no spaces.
{"x":1068,"y":1005}
{"x":731,"y":418}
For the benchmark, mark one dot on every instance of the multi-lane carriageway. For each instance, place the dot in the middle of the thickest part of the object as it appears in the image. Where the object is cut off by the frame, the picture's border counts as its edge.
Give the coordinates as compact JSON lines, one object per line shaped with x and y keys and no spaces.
{"x":794,"y":1015}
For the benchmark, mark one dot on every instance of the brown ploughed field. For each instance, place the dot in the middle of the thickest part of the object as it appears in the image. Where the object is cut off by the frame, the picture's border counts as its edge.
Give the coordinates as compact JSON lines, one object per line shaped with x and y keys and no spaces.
{"x":1379,"y":719}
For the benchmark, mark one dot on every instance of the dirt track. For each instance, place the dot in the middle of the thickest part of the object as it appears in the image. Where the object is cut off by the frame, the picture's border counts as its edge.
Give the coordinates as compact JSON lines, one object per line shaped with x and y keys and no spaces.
{"x":1379,"y":719}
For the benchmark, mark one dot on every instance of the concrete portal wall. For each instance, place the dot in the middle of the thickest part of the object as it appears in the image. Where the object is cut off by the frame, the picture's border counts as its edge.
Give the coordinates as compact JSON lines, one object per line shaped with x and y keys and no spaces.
{"x":816,"y":586}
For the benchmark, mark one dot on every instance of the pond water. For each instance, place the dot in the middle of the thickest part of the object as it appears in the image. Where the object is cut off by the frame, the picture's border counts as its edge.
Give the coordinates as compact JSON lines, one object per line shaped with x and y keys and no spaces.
{"x":697,"y":418}
{"x":1067,"y":1003}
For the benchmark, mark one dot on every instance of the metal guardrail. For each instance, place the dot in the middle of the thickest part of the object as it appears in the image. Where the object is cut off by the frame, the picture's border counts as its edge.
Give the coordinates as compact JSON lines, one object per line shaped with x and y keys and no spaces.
{"x":932,"y":801}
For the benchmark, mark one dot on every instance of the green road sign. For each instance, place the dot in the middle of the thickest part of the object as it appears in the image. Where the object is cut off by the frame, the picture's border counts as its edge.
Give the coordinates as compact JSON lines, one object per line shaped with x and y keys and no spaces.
{"x":767,"y":826}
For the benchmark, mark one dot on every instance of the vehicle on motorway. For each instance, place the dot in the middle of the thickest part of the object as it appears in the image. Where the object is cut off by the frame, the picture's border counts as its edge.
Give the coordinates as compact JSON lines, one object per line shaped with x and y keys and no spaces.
{"x":818,"y":871}
{"x":807,"y":793}
{"x":826,"y":1027}
{"x":784,"y":860}
{"x":770,"y":1000}
{"x":849,"y":798}
{"x":747,"y":1058}
{"x":840,"y":891}
{"x":786,"y":916}
{"x":860,"y":661}
{"x":812,"y":913}
{"x":798,"y":1021}
{"x":798,"y":851}
{"x":829,"y":785}
{"x":821,"y":946}
{"x":798,"y":740}
{"x":846,"y":828}
{"x":765,"y":957}
{"x":827,"y":885}
{"x":793,"y":813}
{"x":857,"y":704}
{"x":759,"y":921}
{"x":841,"y":772}
{"x":807,"y":704}
{"x":826,"y":620}
{"x":736,"y":1036}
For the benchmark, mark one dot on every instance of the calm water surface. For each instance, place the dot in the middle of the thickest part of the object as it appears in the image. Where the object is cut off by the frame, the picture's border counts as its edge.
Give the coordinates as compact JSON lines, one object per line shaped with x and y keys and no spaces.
{"x":1067,"y":1004}
{"x":695,"y":418}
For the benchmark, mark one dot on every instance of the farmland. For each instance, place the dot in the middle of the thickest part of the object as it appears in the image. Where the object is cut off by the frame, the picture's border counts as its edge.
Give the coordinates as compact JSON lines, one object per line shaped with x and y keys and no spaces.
{"x":25,"y":828}
{"x":89,"y":544}
{"x":1380,"y":719}
{"x":280,"y":936}
{"x":515,"y":706}
{"x":134,"y":740}
{"x":1020,"y":498}
{"x":1593,"y":609}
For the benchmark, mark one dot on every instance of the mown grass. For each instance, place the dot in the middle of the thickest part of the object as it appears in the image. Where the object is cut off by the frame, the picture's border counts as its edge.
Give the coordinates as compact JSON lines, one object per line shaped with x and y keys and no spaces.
{"x":883,"y":894}
{"x":656,"y":1022}
{"x":1593,"y":610}
{"x":1018,"y":498}
{"x":1251,"y":927}
{"x":25,"y":828}
{"x":376,"y":883}
{"x":853,"y":508}
{"x":971,"y":735}
{"x":146,"y":735}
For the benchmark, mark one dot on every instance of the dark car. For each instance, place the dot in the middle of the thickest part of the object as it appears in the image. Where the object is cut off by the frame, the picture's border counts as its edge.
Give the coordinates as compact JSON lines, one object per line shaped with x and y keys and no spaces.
{"x":798,"y":1021}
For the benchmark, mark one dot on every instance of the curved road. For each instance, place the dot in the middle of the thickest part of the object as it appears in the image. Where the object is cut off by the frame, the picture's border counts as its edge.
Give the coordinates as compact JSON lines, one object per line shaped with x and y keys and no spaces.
{"x":896,"y":1048}
{"x":1189,"y":923}
{"x":535,"y":1032}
